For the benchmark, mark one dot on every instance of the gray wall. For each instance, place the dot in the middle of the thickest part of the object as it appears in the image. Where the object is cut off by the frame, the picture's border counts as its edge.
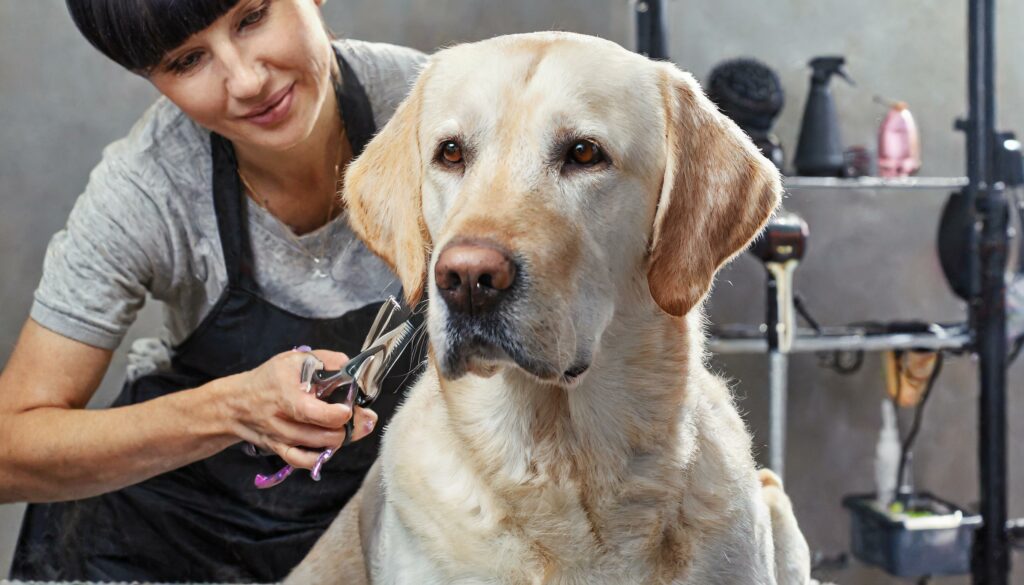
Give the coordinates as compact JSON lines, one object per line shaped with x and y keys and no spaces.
{"x":871,"y":254}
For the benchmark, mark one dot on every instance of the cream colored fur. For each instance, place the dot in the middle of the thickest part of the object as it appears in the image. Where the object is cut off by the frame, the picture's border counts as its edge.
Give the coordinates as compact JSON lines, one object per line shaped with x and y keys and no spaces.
{"x":509,"y":472}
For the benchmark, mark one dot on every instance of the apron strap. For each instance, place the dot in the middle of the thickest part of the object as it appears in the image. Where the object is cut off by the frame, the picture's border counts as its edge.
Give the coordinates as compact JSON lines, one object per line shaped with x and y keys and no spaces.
{"x":356,"y":110}
{"x":232,"y":219}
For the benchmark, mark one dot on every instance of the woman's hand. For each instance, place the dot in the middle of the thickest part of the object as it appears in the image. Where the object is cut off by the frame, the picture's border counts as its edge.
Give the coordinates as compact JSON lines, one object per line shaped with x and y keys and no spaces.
{"x":274,"y":412}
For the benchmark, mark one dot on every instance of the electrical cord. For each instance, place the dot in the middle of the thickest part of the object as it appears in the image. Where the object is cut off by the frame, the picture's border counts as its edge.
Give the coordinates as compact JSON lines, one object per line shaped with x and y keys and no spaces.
{"x":915,"y":426}
{"x":798,"y":304}
{"x":841,"y":362}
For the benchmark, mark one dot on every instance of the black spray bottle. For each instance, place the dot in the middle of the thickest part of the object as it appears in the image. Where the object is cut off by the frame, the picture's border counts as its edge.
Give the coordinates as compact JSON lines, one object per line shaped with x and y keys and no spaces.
{"x":819,"y":152}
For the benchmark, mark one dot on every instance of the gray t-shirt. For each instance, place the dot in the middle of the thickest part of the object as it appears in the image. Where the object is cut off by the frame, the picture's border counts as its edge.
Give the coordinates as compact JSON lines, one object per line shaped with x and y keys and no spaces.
{"x":146,"y":224}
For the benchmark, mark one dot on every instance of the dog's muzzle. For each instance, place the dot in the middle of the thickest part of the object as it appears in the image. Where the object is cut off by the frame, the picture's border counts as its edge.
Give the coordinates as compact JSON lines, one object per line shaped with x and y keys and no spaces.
{"x":477,"y":279}
{"x":481,"y":284}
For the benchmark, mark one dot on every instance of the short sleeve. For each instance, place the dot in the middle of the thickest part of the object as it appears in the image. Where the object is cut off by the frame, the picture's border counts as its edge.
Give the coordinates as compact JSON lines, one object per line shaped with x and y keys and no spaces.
{"x":99,"y":268}
{"x":387,"y":71}
{"x":399,"y":67}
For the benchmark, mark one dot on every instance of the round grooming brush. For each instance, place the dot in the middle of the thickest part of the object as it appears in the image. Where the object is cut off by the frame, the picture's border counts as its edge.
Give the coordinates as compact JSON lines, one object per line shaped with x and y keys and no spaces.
{"x":750,"y":93}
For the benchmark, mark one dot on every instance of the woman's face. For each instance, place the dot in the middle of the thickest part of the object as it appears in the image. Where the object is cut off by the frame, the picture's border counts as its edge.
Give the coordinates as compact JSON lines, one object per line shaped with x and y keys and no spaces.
{"x":258,"y":75}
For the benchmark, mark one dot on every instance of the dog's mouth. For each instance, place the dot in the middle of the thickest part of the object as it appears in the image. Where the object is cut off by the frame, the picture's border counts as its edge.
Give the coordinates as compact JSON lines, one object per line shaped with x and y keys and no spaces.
{"x":572,"y":377}
{"x":482,"y":346}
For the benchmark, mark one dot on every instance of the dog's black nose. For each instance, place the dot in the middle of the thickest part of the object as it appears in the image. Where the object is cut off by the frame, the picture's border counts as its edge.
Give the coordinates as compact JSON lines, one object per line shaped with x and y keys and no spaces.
{"x":472,"y":276}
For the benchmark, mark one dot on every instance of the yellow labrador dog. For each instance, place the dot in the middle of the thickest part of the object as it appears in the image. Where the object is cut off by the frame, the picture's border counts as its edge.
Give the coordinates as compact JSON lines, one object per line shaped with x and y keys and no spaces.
{"x":565,"y":204}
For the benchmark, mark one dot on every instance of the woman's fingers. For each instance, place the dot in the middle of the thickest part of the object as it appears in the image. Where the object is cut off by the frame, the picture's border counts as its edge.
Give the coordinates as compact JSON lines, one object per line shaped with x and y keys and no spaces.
{"x":309,"y":436}
{"x":292,"y":455}
{"x":309,"y":441}
{"x":365,"y":422}
{"x":332,"y":360}
{"x":309,"y":409}
{"x":315,"y":437}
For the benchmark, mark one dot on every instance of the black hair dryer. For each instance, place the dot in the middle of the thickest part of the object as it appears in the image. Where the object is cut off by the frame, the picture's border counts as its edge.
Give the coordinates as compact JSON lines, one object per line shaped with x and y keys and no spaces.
{"x":819,"y":152}
{"x":781,"y":247}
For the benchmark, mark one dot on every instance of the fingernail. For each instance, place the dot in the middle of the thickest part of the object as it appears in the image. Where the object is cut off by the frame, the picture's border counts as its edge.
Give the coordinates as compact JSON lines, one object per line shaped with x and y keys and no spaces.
{"x":368,"y":425}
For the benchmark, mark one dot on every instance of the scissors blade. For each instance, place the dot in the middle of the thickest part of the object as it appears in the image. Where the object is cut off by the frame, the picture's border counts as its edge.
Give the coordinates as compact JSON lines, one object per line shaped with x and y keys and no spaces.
{"x":380,"y":323}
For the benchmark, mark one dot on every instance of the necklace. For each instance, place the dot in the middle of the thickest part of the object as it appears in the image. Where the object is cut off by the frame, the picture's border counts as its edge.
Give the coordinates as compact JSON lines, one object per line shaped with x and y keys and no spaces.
{"x":320,"y":263}
{"x":319,"y":260}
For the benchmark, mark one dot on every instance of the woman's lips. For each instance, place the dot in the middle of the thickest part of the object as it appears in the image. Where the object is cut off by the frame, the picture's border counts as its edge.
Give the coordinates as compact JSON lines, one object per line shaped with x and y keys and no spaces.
{"x":276,"y":111}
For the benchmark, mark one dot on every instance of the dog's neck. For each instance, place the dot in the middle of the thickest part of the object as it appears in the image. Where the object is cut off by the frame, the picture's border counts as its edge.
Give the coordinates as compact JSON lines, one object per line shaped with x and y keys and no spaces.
{"x":628,"y":408}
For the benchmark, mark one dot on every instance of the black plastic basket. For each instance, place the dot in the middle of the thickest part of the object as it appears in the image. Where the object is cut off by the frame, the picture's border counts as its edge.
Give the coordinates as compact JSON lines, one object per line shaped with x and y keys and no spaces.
{"x":912,"y":547}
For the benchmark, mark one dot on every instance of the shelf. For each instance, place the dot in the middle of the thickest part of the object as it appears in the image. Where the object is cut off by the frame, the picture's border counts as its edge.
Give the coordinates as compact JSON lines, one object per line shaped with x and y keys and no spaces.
{"x":874,"y":183}
{"x":751,"y":340}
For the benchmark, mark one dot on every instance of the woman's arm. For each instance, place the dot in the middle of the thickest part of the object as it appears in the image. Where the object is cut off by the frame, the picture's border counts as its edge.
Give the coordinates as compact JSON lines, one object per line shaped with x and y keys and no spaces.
{"x":52,"y":448}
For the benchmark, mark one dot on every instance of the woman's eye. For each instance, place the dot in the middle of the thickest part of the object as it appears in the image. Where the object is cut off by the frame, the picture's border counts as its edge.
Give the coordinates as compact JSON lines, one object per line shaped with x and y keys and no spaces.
{"x":186,"y":62}
{"x":584,"y":152}
{"x":253,"y":17}
{"x":451,"y":151}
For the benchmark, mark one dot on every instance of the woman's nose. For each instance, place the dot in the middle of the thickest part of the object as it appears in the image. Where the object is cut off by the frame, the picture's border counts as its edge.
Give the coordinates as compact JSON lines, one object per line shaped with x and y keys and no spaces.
{"x":245,"y":76}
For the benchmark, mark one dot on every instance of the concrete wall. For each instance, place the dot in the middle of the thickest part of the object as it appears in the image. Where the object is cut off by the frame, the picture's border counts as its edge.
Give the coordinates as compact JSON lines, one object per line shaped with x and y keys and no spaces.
{"x":871,"y":255}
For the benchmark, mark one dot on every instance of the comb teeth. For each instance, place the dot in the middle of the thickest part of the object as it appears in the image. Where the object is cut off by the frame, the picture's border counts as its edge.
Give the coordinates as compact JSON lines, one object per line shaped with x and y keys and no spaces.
{"x":394,"y":342}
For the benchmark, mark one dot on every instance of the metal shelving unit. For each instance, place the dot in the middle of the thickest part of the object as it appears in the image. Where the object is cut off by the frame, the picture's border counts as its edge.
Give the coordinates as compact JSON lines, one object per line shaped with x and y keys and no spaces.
{"x":984,"y":334}
{"x":874,"y":183}
{"x":752,"y":340}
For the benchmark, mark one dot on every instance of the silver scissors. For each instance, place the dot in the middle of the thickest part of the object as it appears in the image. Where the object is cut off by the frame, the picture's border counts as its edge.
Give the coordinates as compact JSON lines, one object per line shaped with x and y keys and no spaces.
{"x":389,"y":335}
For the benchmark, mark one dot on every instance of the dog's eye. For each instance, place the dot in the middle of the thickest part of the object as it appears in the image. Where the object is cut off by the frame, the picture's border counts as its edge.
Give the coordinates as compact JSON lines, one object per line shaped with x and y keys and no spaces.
{"x":451,"y":151}
{"x":584,"y":152}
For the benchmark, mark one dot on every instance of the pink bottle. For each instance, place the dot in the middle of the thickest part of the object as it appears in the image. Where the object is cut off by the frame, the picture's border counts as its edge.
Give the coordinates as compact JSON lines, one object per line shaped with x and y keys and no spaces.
{"x":899,"y":149}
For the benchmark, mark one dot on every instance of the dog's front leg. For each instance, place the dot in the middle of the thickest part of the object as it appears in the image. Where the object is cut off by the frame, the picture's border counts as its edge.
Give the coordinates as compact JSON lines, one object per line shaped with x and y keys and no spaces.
{"x":740,"y":552}
{"x":337,"y":557}
{"x":792,"y":555}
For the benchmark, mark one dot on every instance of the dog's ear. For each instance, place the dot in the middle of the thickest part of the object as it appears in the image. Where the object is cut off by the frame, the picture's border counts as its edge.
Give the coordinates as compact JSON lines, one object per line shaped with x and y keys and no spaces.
{"x":383,"y":194}
{"x":717,"y":193}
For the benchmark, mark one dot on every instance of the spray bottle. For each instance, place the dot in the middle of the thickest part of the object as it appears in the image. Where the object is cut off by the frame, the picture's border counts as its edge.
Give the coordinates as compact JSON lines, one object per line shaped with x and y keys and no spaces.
{"x":887,"y":456}
{"x":899,"y":147}
{"x":819,"y":152}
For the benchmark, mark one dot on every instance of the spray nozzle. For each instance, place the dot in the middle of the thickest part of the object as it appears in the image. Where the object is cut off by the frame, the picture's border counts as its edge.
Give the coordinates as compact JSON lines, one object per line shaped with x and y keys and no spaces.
{"x":825,"y":67}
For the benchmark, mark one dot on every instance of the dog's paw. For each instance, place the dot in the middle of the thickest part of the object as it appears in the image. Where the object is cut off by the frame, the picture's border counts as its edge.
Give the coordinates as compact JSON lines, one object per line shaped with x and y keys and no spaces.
{"x":769,"y":478}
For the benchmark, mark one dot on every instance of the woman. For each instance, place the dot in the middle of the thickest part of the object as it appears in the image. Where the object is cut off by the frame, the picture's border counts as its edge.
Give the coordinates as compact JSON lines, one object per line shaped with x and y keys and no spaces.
{"x":221,"y":203}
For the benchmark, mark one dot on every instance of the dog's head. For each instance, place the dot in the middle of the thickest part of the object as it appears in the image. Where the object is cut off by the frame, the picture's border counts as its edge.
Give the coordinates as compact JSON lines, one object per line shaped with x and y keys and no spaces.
{"x":532,"y":184}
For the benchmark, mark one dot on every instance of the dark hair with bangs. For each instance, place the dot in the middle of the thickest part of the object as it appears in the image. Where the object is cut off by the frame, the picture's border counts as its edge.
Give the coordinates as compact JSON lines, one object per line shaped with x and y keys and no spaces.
{"x":138,"y":33}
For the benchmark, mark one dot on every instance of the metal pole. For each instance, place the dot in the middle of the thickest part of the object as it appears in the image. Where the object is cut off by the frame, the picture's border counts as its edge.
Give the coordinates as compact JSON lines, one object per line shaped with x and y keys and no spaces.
{"x":778,"y":364}
{"x":651,"y":29}
{"x":777,"y":369}
{"x":991,"y":561}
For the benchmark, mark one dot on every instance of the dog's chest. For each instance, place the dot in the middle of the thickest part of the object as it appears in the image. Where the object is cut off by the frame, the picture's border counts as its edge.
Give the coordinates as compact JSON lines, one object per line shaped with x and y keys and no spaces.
{"x":554,"y":534}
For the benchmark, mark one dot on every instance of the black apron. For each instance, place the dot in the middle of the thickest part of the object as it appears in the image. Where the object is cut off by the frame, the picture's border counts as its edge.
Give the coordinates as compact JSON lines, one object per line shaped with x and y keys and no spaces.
{"x":206,"y":521}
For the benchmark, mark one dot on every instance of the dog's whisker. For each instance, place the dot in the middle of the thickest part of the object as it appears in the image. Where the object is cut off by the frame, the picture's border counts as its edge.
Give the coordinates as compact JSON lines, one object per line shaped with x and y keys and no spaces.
{"x":419,"y":335}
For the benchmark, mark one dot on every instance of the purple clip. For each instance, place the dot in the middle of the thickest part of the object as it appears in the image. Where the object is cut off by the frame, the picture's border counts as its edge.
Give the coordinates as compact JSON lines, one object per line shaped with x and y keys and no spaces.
{"x":324,"y":457}
{"x":263,"y":482}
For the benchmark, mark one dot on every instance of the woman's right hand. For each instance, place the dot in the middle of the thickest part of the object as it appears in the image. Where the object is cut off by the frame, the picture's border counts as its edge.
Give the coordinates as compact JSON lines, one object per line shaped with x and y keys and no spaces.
{"x":271,"y":409}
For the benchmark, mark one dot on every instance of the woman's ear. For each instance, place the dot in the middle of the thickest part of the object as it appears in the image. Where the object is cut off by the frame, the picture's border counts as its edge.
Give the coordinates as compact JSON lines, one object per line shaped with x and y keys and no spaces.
{"x":383,"y":193}
{"x":717,"y":193}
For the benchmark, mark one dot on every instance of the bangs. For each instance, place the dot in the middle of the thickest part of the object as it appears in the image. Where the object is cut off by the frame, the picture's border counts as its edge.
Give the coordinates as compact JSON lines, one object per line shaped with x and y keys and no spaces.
{"x":138,"y":33}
